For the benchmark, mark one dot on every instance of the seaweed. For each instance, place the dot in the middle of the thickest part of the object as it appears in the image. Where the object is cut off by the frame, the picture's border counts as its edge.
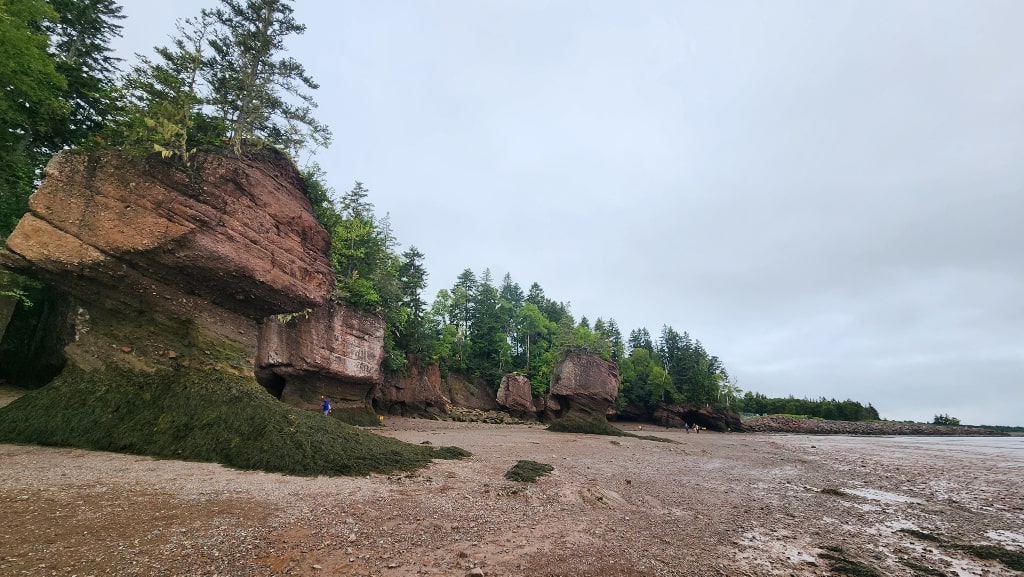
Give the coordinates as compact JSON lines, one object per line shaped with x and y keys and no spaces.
{"x":196,"y":414}
{"x":843,"y":564}
{"x":528,"y":471}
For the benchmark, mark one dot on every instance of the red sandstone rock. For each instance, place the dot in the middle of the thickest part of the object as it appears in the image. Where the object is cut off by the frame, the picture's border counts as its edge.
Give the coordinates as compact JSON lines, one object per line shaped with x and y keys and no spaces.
{"x":334,"y":351}
{"x":585,"y":384}
{"x":418,"y":393}
{"x":515,"y":394}
{"x":240,"y":235}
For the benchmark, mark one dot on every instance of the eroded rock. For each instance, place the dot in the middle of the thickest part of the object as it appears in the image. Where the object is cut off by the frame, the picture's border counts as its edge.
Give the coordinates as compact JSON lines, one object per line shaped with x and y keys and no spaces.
{"x":333,"y":350}
{"x":585,"y":386}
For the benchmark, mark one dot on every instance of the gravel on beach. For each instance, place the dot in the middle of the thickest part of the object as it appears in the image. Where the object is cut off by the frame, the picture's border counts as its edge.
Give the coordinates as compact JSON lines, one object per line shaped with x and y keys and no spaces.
{"x":713,"y":504}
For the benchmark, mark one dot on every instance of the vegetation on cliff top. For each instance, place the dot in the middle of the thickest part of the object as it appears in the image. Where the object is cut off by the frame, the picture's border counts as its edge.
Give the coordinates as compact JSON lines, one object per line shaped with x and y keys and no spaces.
{"x":199,"y":415}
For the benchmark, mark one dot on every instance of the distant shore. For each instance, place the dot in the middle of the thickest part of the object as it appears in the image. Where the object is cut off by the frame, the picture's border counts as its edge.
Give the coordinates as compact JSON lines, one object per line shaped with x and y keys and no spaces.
{"x":783,"y":424}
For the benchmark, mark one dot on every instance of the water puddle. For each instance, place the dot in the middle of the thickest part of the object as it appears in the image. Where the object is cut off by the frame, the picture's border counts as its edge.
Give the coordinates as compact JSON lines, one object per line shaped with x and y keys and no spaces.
{"x":876,"y":495}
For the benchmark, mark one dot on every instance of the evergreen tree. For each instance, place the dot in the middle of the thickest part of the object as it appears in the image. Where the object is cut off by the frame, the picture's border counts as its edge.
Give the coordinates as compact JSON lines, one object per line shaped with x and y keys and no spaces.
{"x":165,"y":99}
{"x":615,"y":340}
{"x":80,"y":42}
{"x":251,"y":82}
{"x":32,"y":99}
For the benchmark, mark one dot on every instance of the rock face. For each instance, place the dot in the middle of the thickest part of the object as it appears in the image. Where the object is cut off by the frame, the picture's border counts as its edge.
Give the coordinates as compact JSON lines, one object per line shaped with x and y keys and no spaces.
{"x":333,"y":350}
{"x":228,"y":246}
{"x":472,"y":394}
{"x":183,"y":269}
{"x":516,"y":396}
{"x":681,"y":415}
{"x":417,"y":394}
{"x":585,"y":386}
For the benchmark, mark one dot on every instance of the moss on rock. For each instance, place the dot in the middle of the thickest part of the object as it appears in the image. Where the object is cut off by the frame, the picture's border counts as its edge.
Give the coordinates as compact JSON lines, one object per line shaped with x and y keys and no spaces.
{"x":193,"y":414}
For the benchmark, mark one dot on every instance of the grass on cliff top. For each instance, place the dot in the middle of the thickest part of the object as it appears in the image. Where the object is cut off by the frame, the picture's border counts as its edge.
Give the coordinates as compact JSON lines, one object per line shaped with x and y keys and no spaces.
{"x":197,"y":415}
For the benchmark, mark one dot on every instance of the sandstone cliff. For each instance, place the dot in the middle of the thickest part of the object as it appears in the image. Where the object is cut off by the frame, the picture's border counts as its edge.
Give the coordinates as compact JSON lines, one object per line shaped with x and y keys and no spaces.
{"x":174,"y":268}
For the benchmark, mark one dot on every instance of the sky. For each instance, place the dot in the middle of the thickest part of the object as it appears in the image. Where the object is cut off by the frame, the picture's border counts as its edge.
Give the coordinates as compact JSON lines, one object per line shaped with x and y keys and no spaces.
{"x":829,"y":195}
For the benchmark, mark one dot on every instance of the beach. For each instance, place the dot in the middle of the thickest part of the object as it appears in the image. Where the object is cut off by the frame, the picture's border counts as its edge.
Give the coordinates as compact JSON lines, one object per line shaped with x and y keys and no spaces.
{"x":704,"y":504}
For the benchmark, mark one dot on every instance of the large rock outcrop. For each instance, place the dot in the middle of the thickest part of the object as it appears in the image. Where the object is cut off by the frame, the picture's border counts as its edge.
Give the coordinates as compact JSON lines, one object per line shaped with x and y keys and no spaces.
{"x":332,"y":350}
{"x":174,"y":267}
{"x":469,"y":393}
{"x":584,"y":386}
{"x":516,"y":396}
{"x":416,"y":394}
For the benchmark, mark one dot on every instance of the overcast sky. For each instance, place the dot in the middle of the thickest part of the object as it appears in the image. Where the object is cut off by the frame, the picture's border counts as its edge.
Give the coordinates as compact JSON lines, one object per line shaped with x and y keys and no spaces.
{"x":829,"y":195}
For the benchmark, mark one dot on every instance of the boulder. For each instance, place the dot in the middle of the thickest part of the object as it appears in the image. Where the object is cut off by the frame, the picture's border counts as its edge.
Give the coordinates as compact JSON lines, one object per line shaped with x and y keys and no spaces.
{"x":416,"y":394}
{"x":222,"y":247}
{"x":585,"y":386}
{"x":515,"y":395}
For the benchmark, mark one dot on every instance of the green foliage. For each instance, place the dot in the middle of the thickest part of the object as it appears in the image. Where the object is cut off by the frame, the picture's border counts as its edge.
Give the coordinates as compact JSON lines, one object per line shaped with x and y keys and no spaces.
{"x":164,"y":103}
{"x":528,"y":471}
{"x":830,"y":409}
{"x":256,"y":90}
{"x":945,"y":419}
{"x":200,"y":415}
{"x":32,"y":105}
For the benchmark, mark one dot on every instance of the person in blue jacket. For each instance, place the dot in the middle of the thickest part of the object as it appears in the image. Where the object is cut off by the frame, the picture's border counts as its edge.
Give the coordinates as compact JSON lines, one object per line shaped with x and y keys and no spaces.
{"x":326,"y":406}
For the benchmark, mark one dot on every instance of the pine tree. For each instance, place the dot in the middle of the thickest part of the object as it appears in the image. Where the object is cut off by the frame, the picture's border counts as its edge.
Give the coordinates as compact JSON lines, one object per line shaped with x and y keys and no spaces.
{"x":80,"y":41}
{"x":258,"y":92}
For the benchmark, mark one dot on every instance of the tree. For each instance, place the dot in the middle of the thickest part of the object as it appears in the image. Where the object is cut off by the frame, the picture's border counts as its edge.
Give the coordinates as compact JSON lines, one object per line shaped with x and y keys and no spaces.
{"x":412,"y":279}
{"x":80,"y":41}
{"x":31,"y":104}
{"x":945,"y":419}
{"x":164,"y":96}
{"x":250,"y":82}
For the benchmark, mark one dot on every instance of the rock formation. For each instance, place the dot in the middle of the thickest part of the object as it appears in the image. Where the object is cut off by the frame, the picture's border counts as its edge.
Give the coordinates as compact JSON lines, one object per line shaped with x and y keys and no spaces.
{"x":585,"y":386}
{"x":417,"y":394}
{"x":469,"y":393}
{"x":681,"y":415}
{"x":174,"y":268}
{"x":332,"y":350}
{"x":516,"y":396}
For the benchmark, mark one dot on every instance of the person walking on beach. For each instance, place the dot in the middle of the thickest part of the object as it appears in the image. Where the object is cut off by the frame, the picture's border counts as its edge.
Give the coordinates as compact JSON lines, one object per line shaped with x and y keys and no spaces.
{"x":326,"y":405}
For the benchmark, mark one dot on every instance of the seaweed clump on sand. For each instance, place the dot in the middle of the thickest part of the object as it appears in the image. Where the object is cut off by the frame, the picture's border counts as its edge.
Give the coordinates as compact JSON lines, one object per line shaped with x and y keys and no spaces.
{"x":844,"y":564}
{"x":528,"y":471}
{"x":198,"y":415}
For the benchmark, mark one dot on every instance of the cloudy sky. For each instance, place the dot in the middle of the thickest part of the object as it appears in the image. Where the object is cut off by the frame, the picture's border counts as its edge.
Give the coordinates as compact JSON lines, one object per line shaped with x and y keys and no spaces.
{"x":829,"y":195}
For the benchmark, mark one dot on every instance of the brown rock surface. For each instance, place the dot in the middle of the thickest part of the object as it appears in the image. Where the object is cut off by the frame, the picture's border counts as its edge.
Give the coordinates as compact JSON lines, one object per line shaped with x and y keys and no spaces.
{"x":710,"y":505}
{"x":469,"y":393}
{"x":585,"y":386}
{"x":515,"y":394}
{"x":417,"y":393}
{"x":334,"y":351}
{"x":139,"y":233}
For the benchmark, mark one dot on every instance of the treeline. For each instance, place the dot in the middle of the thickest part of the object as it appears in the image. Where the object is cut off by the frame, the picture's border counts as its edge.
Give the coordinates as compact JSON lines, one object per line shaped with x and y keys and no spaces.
{"x":225,"y":82}
{"x":831,"y":409}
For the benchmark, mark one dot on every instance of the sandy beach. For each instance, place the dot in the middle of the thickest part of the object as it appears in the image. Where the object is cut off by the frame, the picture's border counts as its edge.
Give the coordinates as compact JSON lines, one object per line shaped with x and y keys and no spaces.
{"x":706,"y":504}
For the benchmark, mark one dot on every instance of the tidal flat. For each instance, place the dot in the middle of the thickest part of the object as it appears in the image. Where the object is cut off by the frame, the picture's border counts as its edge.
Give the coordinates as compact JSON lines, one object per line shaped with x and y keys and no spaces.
{"x":717,"y":504}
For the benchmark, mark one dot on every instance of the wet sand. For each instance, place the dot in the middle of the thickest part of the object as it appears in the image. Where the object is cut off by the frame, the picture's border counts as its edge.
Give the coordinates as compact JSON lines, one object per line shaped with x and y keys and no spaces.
{"x":707,"y":504}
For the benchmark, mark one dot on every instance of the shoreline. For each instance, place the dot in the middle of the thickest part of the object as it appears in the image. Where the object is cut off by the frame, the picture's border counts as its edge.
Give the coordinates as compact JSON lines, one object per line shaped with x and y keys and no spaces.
{"x":710,"y":504}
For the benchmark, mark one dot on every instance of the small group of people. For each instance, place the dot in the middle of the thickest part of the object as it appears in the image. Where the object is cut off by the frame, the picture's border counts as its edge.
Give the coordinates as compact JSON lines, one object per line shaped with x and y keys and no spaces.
{"x":695,"y":427}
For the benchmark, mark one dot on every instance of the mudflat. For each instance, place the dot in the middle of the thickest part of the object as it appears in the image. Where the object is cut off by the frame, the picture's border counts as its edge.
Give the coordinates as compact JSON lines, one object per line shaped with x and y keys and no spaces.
{"x":704,"y":504}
